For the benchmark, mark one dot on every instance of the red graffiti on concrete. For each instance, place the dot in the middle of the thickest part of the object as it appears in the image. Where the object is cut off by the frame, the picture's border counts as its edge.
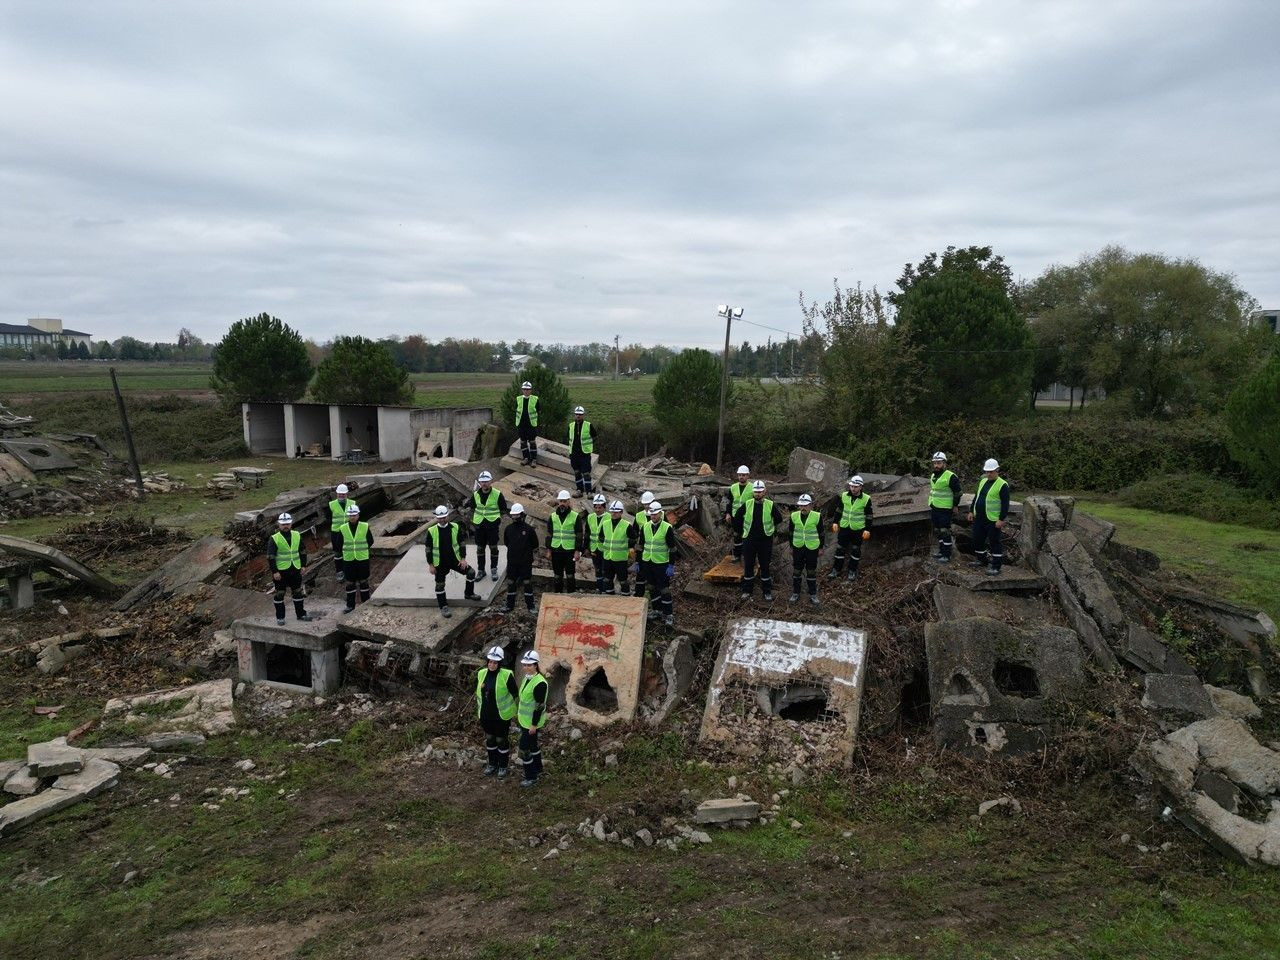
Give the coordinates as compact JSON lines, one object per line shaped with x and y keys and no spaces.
{"x":590,"y":634}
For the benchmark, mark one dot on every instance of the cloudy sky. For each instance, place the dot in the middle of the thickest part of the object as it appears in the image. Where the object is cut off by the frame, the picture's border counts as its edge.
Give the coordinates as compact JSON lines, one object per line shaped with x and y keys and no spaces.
{"x":568,"y":171}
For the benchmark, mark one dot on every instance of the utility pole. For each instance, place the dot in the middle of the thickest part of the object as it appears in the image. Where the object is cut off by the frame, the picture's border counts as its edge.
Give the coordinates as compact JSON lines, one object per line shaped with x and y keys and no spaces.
{"x":128,"y":436}
{"x":615,"y":358}
{"x":728,"y":313}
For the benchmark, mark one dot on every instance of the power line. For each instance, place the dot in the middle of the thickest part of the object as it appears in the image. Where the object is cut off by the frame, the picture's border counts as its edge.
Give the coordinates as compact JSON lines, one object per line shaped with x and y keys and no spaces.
{"x":764,"y":326}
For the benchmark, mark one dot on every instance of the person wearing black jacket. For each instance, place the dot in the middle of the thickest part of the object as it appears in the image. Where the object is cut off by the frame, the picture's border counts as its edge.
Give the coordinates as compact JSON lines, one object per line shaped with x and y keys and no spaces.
{"x":755,"y":522}
{"x":496,"y":699}
{"x":566,"y":539}
{"x":583,"y":437}
{"x":522,"y":543}
{"x":656,"y":542}
{"x":487,"y":507}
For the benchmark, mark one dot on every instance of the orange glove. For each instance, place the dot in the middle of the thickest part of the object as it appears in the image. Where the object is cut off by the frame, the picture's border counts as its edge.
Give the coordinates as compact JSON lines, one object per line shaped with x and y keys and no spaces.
{"x":866,"y":534}
{"x":835,"y":528}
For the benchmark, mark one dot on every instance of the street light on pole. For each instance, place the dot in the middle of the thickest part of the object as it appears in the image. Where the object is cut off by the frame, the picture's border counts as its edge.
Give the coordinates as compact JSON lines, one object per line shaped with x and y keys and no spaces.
{"x":729,"y":314}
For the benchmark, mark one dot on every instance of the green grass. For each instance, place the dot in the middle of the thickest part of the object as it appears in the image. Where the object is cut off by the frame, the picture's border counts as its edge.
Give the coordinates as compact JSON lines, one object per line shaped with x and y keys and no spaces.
{"x":30,"y":377}
{"x":605,"y":400}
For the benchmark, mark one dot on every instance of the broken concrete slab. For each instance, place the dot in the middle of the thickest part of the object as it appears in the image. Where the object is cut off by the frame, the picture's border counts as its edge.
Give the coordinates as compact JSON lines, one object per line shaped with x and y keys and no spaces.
{"x":433,"y":443}
{"x":411,"y":584}
{"x":53,"y":758}
{"x":1241,"y":623}
{"x":207,"y":708}
{"x":420,"y":628}
{"x":592,"y":649}
{"x":22,"y":782}
{"x":1227,"y":746}
{"x":789,"y":691}
{"x":395,"y":531}
{"x":121,"y":756}
{"x":1094,"y":532}
{"x":676,"y":663}
{"x":726,"y":810}
{"x":37,"y":454}
{"x":1011,"y":579}
{"x":1179,"y":696}
{"x":553,"y":458}
{"x":828,"y":475}
{"x":901,"y":506}
{"x":52,"y":558}
{"x":954,"y":602}
{"x":992,"y":685}
{"x":1041,"y":516}
{"x":9,"y":767}
{"x":199,"y":563}
{"x":96,"y":776}
{"x":1144,"y":650}
{"x":20,"y":813}
{"x":299,"y":654}
{"x":1232,"y":704}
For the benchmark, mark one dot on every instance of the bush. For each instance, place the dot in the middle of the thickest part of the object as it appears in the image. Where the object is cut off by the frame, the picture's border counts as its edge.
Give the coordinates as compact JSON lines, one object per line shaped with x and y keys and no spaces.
{"x":360,"y":370}
{"x":553,"y":405}
{"x":686,"y":400}
{"x":1198,"y":495}
{"x":1253,"y":419}
{"x":260,"y":358}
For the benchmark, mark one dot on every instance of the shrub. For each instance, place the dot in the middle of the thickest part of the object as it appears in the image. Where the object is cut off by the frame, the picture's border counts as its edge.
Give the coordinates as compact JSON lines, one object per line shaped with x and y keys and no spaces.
{"x":1203,"y":496}
{"x":360,"y":370}
{"x":553,"y":404}
{"x":166,"y":428}
{"x":1253,"y":420}
{"x":260,"y":358}
{"x":686,"y":400}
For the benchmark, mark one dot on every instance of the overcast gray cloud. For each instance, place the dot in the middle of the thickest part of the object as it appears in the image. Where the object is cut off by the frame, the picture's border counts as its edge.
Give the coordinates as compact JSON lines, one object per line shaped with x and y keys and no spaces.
{"x":568,"y":171}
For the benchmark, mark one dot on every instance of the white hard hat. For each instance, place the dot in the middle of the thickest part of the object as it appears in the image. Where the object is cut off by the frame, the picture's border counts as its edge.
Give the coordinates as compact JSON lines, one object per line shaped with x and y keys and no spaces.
{"x":598,"y":500}
{"x":342,"y":488}
{"x":526,"y":385}
{"x":744,"y":469}
{"x":991,"y":464}
{"x":646,"y":498}
{"x":940,"y":456}
{"x":563,"y":495}
{"x":284,"y":518}
{"x":353,"y":509}
{"x":442,"y":511}
{"x":805,"y":500}
{"x":485,"y":477}
{"x":856,"y":480}
{"x":758,"y":486}
{"x":496,"y":654}
{"x":531,"y":657}
{"x":615,"y":507}
{"x":578,"y":410}
{"x":655,"y":509}
{"x":516,"y":510}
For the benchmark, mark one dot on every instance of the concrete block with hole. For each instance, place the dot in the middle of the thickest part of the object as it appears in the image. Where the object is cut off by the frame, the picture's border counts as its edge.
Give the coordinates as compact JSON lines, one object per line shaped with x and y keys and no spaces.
{"x":993,"y":686}
{"x":592,"y":650}
{"x":787,"y":692}
{"x":304,"y":656}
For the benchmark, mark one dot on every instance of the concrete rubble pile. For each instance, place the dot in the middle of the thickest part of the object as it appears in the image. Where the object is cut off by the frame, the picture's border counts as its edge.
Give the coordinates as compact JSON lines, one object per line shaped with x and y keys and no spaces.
{"x":55,"y":474}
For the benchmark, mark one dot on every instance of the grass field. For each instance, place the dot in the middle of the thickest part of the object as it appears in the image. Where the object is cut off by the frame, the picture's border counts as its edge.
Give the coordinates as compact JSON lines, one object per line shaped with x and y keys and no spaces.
{"x":604,"y":399}
{"x":22,"y":378}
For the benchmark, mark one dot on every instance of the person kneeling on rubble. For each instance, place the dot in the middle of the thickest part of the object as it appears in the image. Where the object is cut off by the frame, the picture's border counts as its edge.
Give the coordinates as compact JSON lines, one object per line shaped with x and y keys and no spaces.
{"x":522,"y":543}
{"x":496,"y":696}
{"x":530,"y":715}
{"x":287,"y":558}
{"x":657,"y":548}
{"x":444,"y":554}
{"x":356,"y":541}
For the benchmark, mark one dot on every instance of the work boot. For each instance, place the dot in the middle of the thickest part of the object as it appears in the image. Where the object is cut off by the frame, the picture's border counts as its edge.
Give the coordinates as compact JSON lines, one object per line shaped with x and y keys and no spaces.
{"x":306,"y":618}
{"x":502,"y":773}
{"x":833,"y":574}
{"x":851,"y":576}
{"x":768,"y":597}
{"x":669,"y":620}
{"x":469,"y":594}
{"x":993,"y":571}
{"x":494,"y":575}
{"x":937,"y":556}
{"x":944,"y":559}
{"x":350,"y":609}
{"x":279,"y":621}
{"x":446,"y":612}
{"x":490,"y":769}
{"x":794,"y":597}
{"x":527,"y":783}
{"x":813,"y":598}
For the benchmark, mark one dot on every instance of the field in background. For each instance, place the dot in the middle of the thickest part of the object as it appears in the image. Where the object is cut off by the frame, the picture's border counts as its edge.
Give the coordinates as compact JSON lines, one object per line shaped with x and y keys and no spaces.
{"x":604,"y":399}
{"x":24,"y":378}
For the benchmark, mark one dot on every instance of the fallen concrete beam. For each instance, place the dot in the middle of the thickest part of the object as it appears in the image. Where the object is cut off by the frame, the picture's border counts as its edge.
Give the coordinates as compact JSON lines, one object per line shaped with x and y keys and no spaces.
{"x":52,"y":558}
{"x":205,"y":559}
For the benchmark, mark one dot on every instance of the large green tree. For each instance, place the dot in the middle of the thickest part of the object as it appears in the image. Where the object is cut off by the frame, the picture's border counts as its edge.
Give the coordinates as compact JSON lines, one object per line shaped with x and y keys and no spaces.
{"x":686,"y":399}
{"x":360,"y":370}
{"x":1253,"y":419}
{"x":260,"y":358}
{"x":553,"y":402}
{"x":973,"y":350}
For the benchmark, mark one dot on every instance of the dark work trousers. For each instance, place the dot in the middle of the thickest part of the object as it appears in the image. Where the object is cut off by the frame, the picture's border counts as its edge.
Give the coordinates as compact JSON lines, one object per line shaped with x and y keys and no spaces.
{"x":487,"y":536}
{"x":530,"y":754}
{"x":291,"y":578}
{"x":941,"y":518}
{"x":515,"y":576}
{"x":597,"y":560}
{"x":987,"y":547}
{"x":443,"y":571}
{"x":756,"y":553}
{"x":528,"y":443}
{"x":804,"y":561}
{"x":564,"y":575}
{"x":619,"y":570}
{"x":497,"y":741}
{"x":659,"y":588}
{"x":357,"y":572}
{"x":848,"y":548}
{"x":642,"y":577}
{"x":335,"y":540}
{"x":581,"y":463}
{"x":737,"y":542}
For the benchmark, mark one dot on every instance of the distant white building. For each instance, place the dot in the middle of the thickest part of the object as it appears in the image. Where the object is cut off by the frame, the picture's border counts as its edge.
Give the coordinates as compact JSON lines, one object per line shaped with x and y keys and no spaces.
{"x":1271,"y":318}
{"x":521,"y":360}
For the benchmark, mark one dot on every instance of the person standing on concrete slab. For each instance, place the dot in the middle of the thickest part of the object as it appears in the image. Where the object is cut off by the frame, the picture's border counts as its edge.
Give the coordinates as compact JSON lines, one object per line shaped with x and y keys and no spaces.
{"x":990,"y":507}
{"x":337,"y":517}
{"x":531,"y":714}
{"x":595,"y":538}
{"x":522,"y":544}
{"x":582,"y":443}
{"x":356,"y":541}
{"x":944,"y":500}
{"x":736,"y":496}
{"x":806,"y":543}
{"x":287,"y":559}
{"x":487,"y":507}
{"x":566,"y":538}
{"x":527,"y":424}
{"x":852,"y":525}
{"x":496,"y":699}
{"x":444,"y":555}
{"x":618,"y":542}
{"x":657,"y":543}
{"x":755,"y":523}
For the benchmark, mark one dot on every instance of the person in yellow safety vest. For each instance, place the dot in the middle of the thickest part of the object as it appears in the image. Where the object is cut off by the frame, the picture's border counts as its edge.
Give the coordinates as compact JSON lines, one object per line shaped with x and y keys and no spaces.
{"x":337,"y":517}
{"x":595,"y":537}
{"x":445,"y":554}
{"x":657,"y":542}
{"x":851,"y":523}
{"x":583,"y":437}
{"x":987,"y":514}
{"x":807,"y":542}
{"x":527,"y":424}
{"x":566,"y":539}
{"x":637,"y":567}
{"x":287,"y":560}
{"x":944,"y":501}
{"x":618,"y":547}
{"x":497,"y":697}
{"x":356,"y":541}
{"x":531,"y":714}
{"x":487,"y":509}
{"x":736,"y":494}
{"x":755,"y":521}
